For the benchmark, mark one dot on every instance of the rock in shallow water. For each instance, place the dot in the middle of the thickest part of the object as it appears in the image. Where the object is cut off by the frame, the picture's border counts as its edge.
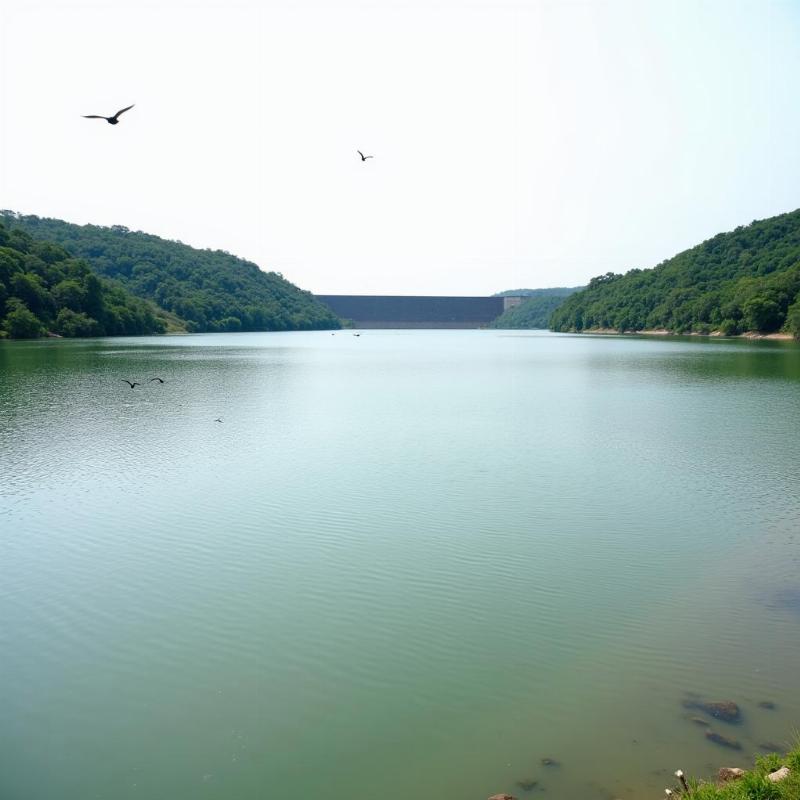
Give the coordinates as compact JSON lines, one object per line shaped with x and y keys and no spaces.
{"x":729,"y":774}
{"x":723,"y":741}
{"x":726,"y":710}
{"x":768,"y":704}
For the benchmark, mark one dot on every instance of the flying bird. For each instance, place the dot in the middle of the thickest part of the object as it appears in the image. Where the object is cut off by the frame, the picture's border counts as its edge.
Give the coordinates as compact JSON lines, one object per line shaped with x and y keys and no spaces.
{"x":160,"y":380}
{"x":363,"y":157}
{"x":217,"y":420}
{"x":110,"y":120}
{"x":129,"y":383}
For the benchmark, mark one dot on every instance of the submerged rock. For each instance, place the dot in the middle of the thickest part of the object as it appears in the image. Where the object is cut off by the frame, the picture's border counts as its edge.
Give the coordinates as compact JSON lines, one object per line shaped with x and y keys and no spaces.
{"x":729,"y":774}
{"x":700,"y":721}
{"x":726,"y":710}
{"x":527,"y":784}
{"x":723,"y":741}
{"x":778,"y":775}
{"x":788,"y":599}
{"x":770,"y":747}
{"x":768,"y":704}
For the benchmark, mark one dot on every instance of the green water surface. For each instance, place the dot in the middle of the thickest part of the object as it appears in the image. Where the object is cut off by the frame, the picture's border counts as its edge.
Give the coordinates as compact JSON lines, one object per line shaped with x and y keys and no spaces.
{"x":408,"y":564}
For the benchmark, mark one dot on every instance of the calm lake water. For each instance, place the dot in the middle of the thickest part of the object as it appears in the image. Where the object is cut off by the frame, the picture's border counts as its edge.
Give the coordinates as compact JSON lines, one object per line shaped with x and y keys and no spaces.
{"x":405,"y":565}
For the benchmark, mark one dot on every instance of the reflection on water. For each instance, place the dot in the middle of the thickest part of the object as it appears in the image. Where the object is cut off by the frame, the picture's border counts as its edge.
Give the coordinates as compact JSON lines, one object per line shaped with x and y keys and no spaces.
{"x":406,"y":564}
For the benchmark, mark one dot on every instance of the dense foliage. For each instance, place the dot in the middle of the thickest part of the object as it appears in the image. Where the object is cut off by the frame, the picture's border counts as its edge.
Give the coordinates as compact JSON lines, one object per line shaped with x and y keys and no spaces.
{"x":534,"y":312}
{"x":745,"y":280}
{"x":211,"y":290}
{"x":44,"y":290}
{"x":559,"y":291}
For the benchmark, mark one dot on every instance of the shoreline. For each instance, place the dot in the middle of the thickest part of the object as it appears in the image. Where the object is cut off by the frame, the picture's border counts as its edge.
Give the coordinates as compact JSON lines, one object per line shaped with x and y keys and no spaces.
{"x":786,"y":337}
{"x":772,"y":776}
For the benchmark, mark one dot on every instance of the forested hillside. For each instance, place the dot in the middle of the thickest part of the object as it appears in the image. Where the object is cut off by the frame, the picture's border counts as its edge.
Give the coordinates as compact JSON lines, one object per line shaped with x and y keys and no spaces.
{"x":745,"y":280}
{"x":211,"y":290}
{"x":44,"y":290}
{"x":534,"y":312}
{"x":560,"y":291}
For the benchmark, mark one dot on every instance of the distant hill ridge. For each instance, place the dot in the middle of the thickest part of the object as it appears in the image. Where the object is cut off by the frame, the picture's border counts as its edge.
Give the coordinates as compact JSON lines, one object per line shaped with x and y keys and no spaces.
{"x":535,"y":311}
{"x":736,"y":282}
{"x":559,"y":291}
{"x":210,"y":290}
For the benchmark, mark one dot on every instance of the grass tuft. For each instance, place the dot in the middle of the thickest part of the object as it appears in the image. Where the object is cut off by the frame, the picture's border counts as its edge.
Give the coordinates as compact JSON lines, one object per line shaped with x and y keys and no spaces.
{"x":754,"y":784}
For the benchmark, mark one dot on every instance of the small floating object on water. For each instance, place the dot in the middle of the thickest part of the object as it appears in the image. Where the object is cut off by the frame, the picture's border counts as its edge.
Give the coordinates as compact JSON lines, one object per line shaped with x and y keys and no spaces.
{"x":550,"y":762}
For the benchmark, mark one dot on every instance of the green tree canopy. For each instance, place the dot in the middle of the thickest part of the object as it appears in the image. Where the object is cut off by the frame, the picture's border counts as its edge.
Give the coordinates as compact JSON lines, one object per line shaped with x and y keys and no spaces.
{"x":43,"y":289}
{"x":209,"y":290}
{"x":535,"y":311}
{"x":745,"y":280}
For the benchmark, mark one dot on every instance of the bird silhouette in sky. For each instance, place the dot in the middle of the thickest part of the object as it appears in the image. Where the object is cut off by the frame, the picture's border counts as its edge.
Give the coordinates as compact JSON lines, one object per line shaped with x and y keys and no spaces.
{"x":110,"y":120}
{"x":217,"y":420}
{"x":363,"y":157}
{"x":160,"y":380}
{"x":129,"y":383}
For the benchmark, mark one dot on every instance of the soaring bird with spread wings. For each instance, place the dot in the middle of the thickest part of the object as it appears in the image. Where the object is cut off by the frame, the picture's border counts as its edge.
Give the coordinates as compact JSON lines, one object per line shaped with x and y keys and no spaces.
{"x":363,"y":157}
{"x":110,"y":120}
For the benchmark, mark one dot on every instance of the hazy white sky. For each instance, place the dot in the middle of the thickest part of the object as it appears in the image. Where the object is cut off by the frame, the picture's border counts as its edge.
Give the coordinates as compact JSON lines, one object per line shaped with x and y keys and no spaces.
{"x":516,"y":143}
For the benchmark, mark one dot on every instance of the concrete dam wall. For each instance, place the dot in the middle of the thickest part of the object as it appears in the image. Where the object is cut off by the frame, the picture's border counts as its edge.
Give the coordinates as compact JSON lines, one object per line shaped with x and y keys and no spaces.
{"x":402,"y":311}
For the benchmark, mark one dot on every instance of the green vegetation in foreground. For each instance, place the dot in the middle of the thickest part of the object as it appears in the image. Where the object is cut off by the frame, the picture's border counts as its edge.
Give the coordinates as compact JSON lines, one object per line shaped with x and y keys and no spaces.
{"x":534,"y":312}
{"x":754,"y":784}
{"x":208,"y":290}
{"x":44,"y":290}
{"x":745,"y":280}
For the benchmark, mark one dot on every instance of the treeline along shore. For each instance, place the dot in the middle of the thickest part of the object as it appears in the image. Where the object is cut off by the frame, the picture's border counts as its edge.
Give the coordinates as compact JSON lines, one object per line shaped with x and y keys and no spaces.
{"x":57,"y":278}
{"x":87,"y":280}
{"x":743,"y":282}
